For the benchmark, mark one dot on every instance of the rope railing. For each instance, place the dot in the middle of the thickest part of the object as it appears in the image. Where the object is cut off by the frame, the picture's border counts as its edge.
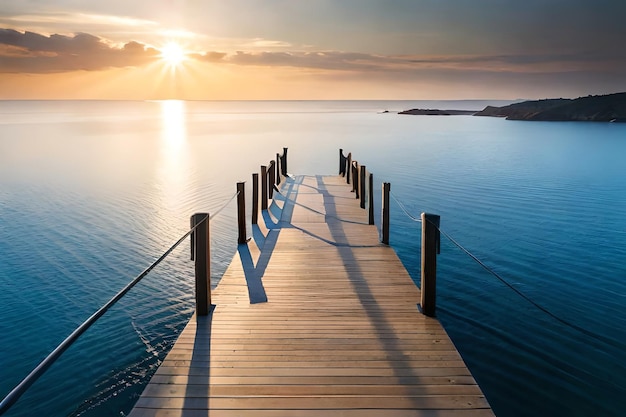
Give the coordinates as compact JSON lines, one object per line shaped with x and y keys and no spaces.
{"x":12,"y":397}
{"x":490,"y":270}
{"x":430,"y":247}
{"x":406,"y":212}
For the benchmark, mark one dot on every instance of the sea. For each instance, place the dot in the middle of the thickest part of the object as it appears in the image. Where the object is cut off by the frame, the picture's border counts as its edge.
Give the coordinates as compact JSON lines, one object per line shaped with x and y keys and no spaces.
{"x":531,"y":282}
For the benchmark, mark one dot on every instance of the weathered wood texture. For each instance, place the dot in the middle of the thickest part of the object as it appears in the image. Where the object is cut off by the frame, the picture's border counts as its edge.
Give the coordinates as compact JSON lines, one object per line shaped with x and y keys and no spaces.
{"x":314,"y":318}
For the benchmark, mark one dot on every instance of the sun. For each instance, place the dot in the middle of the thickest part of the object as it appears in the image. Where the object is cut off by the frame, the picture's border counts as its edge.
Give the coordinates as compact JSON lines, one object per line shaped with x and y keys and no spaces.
{"x":173,"y":54}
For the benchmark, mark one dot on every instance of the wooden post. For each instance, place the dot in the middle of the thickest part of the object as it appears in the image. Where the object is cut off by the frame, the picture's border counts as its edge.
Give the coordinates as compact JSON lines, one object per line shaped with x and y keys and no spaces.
{"x":271,"y":180}
{"x":385,"y":212}
{"x":255,"y":198}
{"x":263,"y":187}
{"x":430,"y":248}
{"x":349,"y":168}
{"x":371,"y":199}
{"x":202,"y":258}
{"x":342,"y":163}
{"x":278,"y":169}
{"x":362,"y":184}
{"x":284,"y":164}
{"x":241,"y":212}
{"x":355,"y":178}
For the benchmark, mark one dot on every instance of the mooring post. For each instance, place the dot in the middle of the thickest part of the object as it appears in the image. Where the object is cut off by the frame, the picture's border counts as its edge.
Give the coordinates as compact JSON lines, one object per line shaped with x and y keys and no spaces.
{"x":284,"y":164}
{"x":342,"y":163}
{"x":271,"y":179}
{"x":430,"y":249}
{"x":255,"y":198}
{"x":385,"y":212}
{"x":241,"y":212}
{"x":362,"y":184}
{"x":371,"y":198}
{"x":355,"y":178}
{"x":263,"y":187}
{"x":201,"y":255}
{"x":349,"y":168}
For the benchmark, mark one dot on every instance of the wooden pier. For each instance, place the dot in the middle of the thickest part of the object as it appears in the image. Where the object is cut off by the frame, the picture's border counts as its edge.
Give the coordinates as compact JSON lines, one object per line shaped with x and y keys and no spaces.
{"x":314,"y":317}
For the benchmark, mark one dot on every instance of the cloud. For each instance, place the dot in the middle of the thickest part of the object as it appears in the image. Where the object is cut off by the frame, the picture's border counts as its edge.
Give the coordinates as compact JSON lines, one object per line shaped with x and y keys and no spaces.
{"x":73,"y":19}
{"x":30,"y":52}
{"x":211,"y":56}
{"x":409,"y":64}
{"x":321,"y":60}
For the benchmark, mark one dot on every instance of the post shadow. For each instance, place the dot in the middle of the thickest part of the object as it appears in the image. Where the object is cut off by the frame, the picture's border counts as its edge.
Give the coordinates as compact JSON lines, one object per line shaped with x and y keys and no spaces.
{"x":199,"y":373}
{"x":266,"y":244}
{"x":399,"y":362}
{"x":258,"y":235}
{"x":256,"y":291}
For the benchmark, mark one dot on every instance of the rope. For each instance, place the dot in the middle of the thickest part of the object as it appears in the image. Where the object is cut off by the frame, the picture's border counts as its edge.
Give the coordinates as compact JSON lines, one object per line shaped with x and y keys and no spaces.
{"x":221,"y":208}
{"x":512,"y":287}
{"x":415,"y":219}
{"x":21,"y":388}
{"x":528,"y":299}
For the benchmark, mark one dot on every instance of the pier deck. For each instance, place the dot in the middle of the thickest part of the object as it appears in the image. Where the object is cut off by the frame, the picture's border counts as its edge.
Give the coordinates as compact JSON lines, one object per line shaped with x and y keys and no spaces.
{"x":314,"y":317}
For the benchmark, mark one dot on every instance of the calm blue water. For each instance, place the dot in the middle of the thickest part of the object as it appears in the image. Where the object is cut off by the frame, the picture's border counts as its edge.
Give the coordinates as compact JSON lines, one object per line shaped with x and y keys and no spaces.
{"x":92,"y":192}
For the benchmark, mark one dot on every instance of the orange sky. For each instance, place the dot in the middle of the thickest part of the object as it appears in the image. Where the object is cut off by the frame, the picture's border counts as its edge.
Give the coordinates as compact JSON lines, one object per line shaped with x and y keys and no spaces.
{"x":272,"y":49}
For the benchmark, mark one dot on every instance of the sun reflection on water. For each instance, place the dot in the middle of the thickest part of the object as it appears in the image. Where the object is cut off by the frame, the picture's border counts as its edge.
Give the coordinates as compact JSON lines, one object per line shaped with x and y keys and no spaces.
{"x":173,"y":164}
{"x":174,"y":130}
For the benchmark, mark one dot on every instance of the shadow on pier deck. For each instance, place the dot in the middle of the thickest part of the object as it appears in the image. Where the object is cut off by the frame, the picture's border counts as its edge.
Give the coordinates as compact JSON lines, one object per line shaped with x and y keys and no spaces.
{"x":314,"y":317}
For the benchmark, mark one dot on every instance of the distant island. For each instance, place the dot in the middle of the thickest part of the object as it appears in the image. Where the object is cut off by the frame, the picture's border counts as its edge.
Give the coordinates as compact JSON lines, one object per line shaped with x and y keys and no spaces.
{"x":437,"y":112}
{"x":603,"y":108}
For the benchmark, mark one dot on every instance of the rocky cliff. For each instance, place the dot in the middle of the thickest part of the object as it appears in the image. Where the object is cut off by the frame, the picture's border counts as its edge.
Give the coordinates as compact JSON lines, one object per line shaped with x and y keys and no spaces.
{"x":605,"y":108}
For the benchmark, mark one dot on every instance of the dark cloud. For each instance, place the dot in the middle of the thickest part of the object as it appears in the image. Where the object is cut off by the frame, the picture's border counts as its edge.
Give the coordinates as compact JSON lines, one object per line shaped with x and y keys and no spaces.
{"x":30,"y":52}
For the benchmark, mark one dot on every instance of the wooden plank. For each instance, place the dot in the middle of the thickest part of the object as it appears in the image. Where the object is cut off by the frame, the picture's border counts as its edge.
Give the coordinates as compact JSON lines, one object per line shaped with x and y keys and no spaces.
{"x":306,"y":372}
{"x":448,"y":402}
{"x":145,"y":412}
{"x":203,"y":390}
{"x":339,"y":334}
{"x":167,"y":380}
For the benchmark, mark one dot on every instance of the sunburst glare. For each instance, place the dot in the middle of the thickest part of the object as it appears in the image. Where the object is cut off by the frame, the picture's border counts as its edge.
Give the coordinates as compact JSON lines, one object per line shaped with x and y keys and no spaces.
{"x":173,"y":54}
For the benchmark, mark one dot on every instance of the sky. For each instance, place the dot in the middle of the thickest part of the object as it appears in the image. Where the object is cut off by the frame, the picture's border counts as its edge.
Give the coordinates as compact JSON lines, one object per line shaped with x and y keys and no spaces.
{"x":311,"y":49}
